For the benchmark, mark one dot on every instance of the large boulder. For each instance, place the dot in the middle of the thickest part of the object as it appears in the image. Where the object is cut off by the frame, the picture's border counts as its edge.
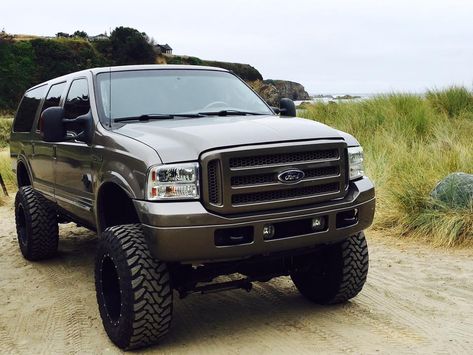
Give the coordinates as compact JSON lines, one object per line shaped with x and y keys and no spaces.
{"x":456,"y":190}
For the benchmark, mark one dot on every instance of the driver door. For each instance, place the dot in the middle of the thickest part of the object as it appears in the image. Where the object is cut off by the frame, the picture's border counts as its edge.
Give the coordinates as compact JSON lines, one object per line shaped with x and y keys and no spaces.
{"x":73,"y":159}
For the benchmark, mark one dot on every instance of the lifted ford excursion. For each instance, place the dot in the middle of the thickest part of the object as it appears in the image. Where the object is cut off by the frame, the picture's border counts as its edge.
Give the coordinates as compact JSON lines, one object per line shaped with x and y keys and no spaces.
{"x":187,"y":174}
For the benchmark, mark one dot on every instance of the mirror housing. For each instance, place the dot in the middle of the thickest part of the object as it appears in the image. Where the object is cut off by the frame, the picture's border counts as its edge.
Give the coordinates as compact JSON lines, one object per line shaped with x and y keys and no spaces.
{"x":287,"y":107}
{"x":53,"y":126}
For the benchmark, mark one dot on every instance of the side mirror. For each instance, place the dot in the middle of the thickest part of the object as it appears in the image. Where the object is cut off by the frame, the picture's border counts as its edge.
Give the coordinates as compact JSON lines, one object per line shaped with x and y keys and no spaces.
{"x":53,"y":126}
{"x":287,"y":107}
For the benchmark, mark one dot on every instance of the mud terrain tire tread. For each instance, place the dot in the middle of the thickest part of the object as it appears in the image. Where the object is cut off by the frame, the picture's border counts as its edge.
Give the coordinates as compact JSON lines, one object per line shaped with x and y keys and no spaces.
{"x":146,"y":293}
{"x":345,"y":271}
{"x":38,"y":223}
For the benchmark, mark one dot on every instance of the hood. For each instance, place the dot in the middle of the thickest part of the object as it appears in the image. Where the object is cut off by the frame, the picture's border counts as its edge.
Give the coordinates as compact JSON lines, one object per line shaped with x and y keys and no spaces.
{"x":184,"y":139}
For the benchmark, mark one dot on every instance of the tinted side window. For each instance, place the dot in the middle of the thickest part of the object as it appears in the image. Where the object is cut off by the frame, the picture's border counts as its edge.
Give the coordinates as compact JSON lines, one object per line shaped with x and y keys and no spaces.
{"x":77,"y":101}
{"x":54,"y":96}
{"x":27,"y":111}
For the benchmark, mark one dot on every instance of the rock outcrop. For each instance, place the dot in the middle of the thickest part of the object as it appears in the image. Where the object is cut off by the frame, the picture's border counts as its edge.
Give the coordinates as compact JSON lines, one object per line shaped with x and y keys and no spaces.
{"x":274,"y":90}
{"x":289,"y":89}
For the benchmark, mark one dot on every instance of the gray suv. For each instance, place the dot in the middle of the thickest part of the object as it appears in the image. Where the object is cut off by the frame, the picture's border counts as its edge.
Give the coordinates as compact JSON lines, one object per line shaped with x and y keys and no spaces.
{"x":186,"y":174}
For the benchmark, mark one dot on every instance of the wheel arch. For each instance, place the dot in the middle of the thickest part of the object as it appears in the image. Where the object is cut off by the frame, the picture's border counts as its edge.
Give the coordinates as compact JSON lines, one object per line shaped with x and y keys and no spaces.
{"x":114,"y":204}
{"x":23,"y":175}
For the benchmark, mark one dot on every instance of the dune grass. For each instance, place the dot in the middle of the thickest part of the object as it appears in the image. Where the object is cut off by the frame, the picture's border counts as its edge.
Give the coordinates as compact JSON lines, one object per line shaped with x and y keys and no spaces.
{"x":5,"y":164}
{"x":5,"y":128}
{"x":7,"y":174}
{"x":410,"y":144}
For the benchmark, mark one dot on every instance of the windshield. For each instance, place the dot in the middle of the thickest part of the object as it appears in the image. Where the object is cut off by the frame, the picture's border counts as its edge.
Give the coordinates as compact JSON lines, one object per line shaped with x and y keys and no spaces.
{"x":173,"y":92}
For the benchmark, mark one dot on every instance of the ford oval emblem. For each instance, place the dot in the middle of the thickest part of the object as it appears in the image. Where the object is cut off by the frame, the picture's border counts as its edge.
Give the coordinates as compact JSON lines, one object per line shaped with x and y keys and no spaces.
{"x":292,"y":176}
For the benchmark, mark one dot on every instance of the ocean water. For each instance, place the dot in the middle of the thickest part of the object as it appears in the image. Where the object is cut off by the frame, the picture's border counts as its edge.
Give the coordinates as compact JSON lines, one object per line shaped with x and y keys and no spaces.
{"x":326,"y":98}
{"x":349,"y":97}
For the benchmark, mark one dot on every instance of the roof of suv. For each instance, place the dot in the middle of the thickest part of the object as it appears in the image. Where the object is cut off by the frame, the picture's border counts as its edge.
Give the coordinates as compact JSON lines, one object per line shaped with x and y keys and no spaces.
{"x":96,"y":71}
{"x":151,"y":67}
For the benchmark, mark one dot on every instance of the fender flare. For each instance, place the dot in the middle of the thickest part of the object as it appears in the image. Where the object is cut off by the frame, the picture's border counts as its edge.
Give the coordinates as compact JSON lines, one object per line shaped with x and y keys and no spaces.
{"x":21,"y":159}
{"x":110,"y":178}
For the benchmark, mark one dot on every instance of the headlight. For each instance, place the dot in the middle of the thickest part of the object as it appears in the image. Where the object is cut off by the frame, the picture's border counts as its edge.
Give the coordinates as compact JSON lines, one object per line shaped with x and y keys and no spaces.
{"x":355,"y":162}
{"x":173,"y":182}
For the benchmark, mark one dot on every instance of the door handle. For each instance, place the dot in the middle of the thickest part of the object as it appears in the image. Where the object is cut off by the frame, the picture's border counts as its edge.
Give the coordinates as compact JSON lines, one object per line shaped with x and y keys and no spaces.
{"x":54,"y":152}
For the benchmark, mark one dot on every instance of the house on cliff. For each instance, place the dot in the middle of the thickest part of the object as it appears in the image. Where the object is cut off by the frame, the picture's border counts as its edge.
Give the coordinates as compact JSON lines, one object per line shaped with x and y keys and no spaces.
{"x":98,"y":37}
{"x":163,"y":49}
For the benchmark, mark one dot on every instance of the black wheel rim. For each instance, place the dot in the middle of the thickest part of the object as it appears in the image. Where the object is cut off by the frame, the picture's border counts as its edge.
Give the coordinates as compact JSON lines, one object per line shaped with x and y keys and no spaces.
{"x":111,"y":289}
{"x":21,"y":220}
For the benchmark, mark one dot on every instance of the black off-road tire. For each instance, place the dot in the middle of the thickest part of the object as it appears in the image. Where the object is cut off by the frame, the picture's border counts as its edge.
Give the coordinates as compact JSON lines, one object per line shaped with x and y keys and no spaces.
{"x":133,"y":289}
{"x":36,"y":225}
{"x":335,"y":275}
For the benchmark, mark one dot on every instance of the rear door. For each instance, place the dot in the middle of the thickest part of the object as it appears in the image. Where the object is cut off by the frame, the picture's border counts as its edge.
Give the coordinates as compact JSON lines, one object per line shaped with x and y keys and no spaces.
{"x":21,"y":146}
{"x":41,"y":159}
{"x":73,"y":159}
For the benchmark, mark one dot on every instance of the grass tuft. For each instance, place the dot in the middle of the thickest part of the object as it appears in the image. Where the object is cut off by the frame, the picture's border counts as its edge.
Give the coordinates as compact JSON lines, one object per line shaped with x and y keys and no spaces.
{"x":455,"y":101}
{"x":5,"y":128}
{"x":7,"y":174}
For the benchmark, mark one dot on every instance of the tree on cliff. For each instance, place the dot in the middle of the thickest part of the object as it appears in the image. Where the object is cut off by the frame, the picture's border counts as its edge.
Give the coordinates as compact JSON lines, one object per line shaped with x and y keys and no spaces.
{"x":80,"y":34}
{"x":129,"y":46}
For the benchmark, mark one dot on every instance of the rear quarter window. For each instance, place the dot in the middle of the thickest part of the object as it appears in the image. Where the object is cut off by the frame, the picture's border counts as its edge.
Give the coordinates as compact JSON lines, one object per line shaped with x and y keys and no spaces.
{"x":28,"y":108}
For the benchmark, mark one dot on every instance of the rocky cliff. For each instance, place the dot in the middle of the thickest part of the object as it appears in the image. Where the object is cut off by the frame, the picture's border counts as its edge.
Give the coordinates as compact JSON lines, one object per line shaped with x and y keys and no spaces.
{"x":274,"y":90}
{"x":289,"y":89}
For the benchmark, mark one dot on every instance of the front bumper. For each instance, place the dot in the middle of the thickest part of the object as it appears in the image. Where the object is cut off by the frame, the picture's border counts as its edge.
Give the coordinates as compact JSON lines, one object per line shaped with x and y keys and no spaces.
{"x":185,"y":231}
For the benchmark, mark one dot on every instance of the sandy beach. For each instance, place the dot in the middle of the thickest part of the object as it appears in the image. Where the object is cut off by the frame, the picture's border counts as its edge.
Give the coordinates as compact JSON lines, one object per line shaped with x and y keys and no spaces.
{"x":417,"y":299}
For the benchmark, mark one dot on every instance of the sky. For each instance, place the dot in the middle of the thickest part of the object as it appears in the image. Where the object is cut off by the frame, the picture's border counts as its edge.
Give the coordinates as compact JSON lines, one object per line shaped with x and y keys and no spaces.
{"x":331,"y":46}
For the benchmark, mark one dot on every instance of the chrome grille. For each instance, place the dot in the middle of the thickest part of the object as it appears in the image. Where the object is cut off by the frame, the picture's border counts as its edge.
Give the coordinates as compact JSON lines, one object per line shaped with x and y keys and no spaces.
{"x":214,"y":186}
{"x":245,"y":179}
{"x":285,"y":158}
{"x":273,"y":178}
{"x":283,"y":194}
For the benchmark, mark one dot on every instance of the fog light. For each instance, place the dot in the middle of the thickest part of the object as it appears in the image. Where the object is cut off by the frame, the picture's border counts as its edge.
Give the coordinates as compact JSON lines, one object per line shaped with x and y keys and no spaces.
{"x":318,"y":224}
{"x":268,"y":231}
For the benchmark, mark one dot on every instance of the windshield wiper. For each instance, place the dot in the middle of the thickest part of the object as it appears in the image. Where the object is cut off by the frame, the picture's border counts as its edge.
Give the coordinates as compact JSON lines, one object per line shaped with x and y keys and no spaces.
{"x":230,"y":112}
{"x":156,"y":116}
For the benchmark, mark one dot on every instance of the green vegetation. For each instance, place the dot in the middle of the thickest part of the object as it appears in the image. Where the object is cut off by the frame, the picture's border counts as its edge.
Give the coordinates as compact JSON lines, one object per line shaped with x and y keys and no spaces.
{"x":7,"y":174}
{"x":27,"y":62}
{"x":244,"y":71}
{"x":410,"y":144}
{"x":5,"y":128}
{"x":5,"y":164}
{"x":453,"y":102}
